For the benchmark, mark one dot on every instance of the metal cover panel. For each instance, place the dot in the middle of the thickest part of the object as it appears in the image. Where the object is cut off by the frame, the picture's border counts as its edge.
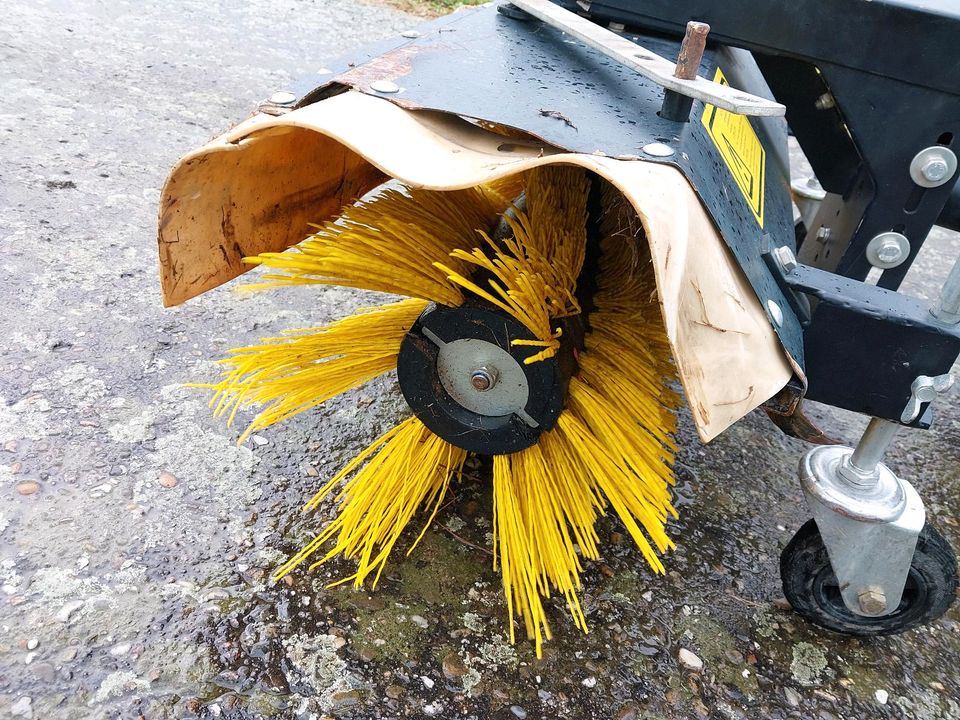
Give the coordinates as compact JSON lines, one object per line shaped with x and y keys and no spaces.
{"x":525,"y":75}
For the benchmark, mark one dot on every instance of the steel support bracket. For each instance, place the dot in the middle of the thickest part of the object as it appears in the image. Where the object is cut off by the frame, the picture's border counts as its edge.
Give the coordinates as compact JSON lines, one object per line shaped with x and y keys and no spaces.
{"x":869,"y":525}
{"x":890,"y":339}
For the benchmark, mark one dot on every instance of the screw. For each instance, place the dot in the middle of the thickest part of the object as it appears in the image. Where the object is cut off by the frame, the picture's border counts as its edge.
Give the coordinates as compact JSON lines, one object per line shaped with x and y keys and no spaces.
{"x":935,"y":169}
{"x":785,"y":259}
{"x":873,"y":600}
{"x":384,"y":86}
{"x":484,"y":378}
{"x":776,"y":313}
{"x":282,"y":97}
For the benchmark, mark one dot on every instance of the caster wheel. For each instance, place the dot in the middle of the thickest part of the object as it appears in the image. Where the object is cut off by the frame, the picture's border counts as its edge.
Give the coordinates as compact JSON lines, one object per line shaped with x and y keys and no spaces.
{"x":812,"y":589}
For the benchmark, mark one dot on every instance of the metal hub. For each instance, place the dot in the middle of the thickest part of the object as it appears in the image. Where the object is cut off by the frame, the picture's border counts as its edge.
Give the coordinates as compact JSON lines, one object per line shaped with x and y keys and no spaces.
{"x":482,"y":377}
{"x":465,"y":379}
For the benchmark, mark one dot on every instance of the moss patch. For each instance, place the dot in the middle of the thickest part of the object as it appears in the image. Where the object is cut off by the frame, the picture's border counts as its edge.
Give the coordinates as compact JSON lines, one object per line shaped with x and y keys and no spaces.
{"x":430,"y":8}
{"x":441,"y":572}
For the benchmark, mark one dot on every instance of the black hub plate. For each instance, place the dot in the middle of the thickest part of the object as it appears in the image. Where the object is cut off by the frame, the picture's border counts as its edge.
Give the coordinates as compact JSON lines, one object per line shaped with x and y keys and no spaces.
{"x":485,"y":434}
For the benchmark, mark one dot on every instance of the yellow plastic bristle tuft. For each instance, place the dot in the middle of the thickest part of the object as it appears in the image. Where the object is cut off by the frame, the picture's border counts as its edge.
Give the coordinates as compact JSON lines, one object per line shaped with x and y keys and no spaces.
{"x":407,"y":468}
{"x":389,"y":243}
{"x":304,"y":368}
{"x":612,"y":446}
{"x":535,"y":271}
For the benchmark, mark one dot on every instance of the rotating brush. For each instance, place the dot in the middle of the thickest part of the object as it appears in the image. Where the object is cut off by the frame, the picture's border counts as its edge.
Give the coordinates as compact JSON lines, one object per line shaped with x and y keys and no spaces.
{"x":532,"y":333}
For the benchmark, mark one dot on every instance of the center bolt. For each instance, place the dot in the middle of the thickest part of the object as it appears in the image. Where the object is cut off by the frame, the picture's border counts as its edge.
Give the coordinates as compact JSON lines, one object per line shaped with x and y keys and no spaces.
{"x":484,"y":378}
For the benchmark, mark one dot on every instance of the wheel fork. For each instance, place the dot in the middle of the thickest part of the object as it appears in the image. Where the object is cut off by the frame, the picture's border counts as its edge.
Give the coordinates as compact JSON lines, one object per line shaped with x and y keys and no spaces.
{"x":868,"y":517}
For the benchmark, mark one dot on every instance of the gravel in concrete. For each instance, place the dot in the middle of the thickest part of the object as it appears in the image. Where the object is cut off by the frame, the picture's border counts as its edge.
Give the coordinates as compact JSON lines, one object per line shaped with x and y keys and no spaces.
{"x":136,"y":538}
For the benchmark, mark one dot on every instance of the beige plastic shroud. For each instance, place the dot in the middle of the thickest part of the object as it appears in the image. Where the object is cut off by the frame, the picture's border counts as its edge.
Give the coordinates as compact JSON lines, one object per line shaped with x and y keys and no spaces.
{"x":256,"y":188}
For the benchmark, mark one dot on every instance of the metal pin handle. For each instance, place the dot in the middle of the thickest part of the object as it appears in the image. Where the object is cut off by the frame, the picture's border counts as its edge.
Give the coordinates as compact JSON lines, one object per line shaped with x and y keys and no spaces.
{"x":647,"y":63}
{"x":924,"y":389}
{"x":676,"y":106}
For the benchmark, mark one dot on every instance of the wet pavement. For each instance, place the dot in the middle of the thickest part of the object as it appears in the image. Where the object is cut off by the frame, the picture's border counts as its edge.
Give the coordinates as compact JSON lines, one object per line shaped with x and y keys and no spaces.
{"x":136,"y":539}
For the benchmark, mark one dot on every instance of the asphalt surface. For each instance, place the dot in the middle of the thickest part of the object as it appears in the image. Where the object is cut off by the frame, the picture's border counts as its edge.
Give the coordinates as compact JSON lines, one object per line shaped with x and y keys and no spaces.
{"x":136,"y":539}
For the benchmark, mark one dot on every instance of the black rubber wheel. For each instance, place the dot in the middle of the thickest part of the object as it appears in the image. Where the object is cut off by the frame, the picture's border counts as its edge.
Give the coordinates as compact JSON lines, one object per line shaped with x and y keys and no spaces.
{"x":812,"y":589}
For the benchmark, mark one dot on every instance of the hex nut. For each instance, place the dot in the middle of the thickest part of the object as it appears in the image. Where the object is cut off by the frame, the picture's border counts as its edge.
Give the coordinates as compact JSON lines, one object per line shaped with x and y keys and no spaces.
{"x":785,"y":258}
{"x":873,"y":600}
{"x":933,"y":166}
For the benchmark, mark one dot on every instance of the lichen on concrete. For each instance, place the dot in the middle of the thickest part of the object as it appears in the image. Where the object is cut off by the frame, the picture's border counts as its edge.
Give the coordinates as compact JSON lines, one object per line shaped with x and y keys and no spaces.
{"x":119,"y":683}
{"x":809,"y":665}
{"x":316,"y":660}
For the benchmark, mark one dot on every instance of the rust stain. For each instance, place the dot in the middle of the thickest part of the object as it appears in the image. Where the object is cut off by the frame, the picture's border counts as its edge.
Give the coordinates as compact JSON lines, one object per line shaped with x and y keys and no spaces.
{"x":227,"y":230}
{"x":389,"y":66}
{"x":703,"y":413}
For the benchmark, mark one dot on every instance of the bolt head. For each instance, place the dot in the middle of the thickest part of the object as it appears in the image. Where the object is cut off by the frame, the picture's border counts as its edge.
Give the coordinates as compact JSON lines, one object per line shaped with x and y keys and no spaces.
{"x":785,"y":258}
{"x":283,"y":97}
{"x":873,"y":601}
{"x":657,"y":149}
{"x":933,"y":166}
{"x":384,"y":86}
{"x":825,"y":102}
{"x":935,"y":169}
{"x":776,"y":313}
{"x":890,"y":251}
{"x":484,"y":378}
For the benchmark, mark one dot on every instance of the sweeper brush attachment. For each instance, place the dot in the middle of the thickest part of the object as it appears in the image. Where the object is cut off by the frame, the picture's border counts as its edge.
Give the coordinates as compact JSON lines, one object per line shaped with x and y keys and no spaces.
{"x":571,"y":254}
{"x":495,"y":355}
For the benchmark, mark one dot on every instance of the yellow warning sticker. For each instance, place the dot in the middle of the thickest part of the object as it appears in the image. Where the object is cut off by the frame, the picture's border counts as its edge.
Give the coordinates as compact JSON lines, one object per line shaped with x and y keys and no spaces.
{"x":741,"y":151}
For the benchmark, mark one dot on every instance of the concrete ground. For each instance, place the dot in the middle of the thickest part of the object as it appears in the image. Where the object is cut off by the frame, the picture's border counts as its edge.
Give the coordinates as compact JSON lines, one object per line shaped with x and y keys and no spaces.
{"x":136,"y":539}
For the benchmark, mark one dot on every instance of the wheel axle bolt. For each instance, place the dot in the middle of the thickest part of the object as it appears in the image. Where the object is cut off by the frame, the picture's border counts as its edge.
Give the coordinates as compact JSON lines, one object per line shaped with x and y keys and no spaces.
{"x":484,"y":378}
{"x":873,"y":600}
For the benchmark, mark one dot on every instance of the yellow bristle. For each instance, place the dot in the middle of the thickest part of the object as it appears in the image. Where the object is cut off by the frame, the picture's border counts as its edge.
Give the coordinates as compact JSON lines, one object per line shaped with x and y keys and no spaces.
{"x":389,"y":243}
{"x":535,"y":271}
{"x":304,"y":368}
{"x":612,"y":446}
{"x":406,"y":468}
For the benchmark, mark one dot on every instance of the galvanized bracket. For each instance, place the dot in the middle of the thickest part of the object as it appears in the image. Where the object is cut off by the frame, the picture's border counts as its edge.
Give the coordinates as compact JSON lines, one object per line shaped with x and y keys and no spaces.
{"x":869,"y":523}
{"x":647,"y":63}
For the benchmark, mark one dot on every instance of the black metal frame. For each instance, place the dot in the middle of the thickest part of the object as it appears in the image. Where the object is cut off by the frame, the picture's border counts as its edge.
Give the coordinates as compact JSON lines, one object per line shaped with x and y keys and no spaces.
{"x":876,"y":341}
{"x":866,"y":87}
